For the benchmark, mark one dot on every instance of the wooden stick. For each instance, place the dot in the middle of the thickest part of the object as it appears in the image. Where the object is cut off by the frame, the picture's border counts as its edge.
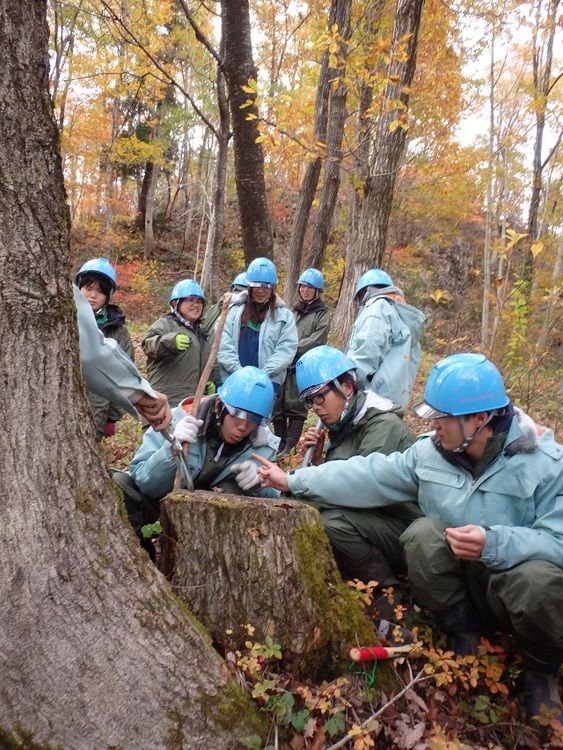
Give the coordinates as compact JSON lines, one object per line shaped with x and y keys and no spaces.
{"x":204,"y":377}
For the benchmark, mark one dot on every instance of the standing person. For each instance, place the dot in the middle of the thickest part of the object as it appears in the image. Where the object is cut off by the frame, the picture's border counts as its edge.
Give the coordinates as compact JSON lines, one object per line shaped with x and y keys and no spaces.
{"x":176,"y":346}
{"x":109,"y":372}
{"x":385,"y":339}
{"x":240,"y":284}
{"x":229,"y":428}
{"x":259,"y":330}
{"x":313,"y":321}
{"x":97,"y":280}
{"x":488,"y":555}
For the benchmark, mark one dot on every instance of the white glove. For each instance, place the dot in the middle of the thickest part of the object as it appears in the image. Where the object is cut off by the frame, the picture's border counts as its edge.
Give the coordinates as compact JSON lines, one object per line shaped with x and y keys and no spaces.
{"x":187,"y":428}
{"x":247,"y":474}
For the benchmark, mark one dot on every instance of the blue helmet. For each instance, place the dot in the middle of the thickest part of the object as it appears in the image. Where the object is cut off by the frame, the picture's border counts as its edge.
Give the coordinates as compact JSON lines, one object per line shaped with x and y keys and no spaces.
{"x":186,"y":288}
{"x":462,"y":384}
{"x":261,"y":271}
{"x":312,"y":277}
{"x":240,"y":280}
{"x":373,"y":277}
{"x":248,"y":393}
{"x":101,"y":267}
{"x":320,"y":366}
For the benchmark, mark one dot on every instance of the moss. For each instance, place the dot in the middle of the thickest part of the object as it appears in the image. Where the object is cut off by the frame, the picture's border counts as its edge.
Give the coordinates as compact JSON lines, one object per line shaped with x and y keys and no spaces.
{"x":233,"y":710}
{"x":174,"y":739}
{"x":20,"y":739}
{"x":121,"y":508}
{"x":84,"y":502}
{"x":344,"y":620}
{"x":186,"y":611}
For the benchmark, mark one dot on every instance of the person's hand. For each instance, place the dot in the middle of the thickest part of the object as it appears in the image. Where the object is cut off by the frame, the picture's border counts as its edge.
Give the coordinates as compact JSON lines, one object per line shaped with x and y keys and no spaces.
{"x":156,"y":410}
{"x":247,"y":474}
{"x":210,"y":388}
{"x":466,"y":542}
{"x":187,"y":429}
{"x":310,"y":437}
{"x":182,"y":341}
{"x":270,"y":474}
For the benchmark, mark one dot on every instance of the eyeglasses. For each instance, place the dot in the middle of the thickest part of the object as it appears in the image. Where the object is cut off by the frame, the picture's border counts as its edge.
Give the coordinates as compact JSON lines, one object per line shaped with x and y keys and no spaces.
{"x":318,"y":398}
{"x":193,"y":300}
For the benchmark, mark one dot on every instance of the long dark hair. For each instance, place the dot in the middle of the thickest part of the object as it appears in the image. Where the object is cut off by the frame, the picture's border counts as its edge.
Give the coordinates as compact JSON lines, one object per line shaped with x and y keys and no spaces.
{"x":257,"y":313}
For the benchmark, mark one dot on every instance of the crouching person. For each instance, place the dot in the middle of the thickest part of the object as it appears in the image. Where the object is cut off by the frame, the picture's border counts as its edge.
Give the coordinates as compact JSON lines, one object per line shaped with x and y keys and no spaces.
{"x":489,"y":553}
{"x":229,"y":427}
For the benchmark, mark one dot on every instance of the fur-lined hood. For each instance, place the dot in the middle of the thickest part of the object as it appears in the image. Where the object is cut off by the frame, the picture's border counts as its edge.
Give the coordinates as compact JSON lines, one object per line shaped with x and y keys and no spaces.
{"x":527,"y":440}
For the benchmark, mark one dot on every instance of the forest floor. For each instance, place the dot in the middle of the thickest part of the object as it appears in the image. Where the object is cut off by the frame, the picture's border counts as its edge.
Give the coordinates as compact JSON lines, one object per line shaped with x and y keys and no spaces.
{"x":430,"y":699}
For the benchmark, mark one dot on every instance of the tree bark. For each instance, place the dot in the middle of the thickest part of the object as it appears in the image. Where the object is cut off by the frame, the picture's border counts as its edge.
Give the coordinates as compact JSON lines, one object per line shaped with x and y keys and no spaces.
{"x":369,"y":233}
{"x":237,"y":560}
{"x":239,"y":68}
{"x":96,"y":651}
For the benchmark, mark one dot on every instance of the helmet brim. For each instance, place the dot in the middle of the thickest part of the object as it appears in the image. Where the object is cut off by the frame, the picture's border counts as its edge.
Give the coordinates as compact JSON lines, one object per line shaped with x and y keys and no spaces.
{"x":425,"y":411}
{"x":249,"y":416}
{"x":260,"y":285}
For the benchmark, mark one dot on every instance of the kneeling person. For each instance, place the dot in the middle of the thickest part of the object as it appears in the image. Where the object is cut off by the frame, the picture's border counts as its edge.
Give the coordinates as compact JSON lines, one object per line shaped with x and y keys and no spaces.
{"x":359,"y":423}
{"x":228,"y":429}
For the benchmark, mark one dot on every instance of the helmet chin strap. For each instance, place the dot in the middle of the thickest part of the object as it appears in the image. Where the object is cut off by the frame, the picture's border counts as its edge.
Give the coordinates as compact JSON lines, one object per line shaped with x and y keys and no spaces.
{"x":466,"y":439}
{"x":338,"y":388}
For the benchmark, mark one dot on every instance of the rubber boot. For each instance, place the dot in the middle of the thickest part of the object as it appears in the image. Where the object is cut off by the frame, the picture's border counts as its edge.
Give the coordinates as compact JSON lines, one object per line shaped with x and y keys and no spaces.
{"x":541,"y":688}
{"x":374,"y":567}
{"x":279,"y":430}
{"x":294,"y":429}
{"x":462,"y":627}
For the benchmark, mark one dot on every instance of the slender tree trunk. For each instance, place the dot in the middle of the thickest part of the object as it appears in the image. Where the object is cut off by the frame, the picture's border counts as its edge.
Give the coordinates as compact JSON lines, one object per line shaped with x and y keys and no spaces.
{"x":370,"y":225}
{"x":148,"y":246}
{"x":312,"y":169}
{"x":194,"y":201}
{"x":331,"y":172}
{"x":239,"y":68}
{"x":542,"y":64}
{"x":487,"y":267}
{"x":210,"y":276}
{"x":142,"y":203}
{"x":95,"y":650}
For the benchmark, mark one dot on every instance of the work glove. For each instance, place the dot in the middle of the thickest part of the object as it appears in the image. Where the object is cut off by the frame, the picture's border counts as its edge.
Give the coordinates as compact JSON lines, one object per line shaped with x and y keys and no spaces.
{"x":182,"y":341}
{"x":247,"y":474}
{"x":187,"y":429}
{"x":210,"y":388}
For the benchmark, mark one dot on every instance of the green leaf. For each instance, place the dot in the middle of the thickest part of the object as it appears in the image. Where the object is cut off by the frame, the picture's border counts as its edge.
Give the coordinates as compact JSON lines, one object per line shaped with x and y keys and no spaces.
{"x":334,"y":725}
{"x":151,"y":529}
{"x":299,"y":720}
{"x":252,"y":742}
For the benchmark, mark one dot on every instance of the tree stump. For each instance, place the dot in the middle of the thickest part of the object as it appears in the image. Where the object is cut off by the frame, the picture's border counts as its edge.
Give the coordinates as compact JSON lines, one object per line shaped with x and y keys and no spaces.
{"x":237,"y":560}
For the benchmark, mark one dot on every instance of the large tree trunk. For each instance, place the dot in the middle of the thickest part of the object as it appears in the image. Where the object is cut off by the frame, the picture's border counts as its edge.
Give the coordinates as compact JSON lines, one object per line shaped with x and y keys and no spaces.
{"x":370,"y":231}
{"x":238,"y":560}
{"x":239,"y":68}
{"x":95,"y":650}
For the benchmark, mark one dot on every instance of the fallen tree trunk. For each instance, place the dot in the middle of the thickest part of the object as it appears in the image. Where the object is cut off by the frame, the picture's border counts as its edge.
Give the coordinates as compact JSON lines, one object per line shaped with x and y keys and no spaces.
{"x":237,"y":560}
